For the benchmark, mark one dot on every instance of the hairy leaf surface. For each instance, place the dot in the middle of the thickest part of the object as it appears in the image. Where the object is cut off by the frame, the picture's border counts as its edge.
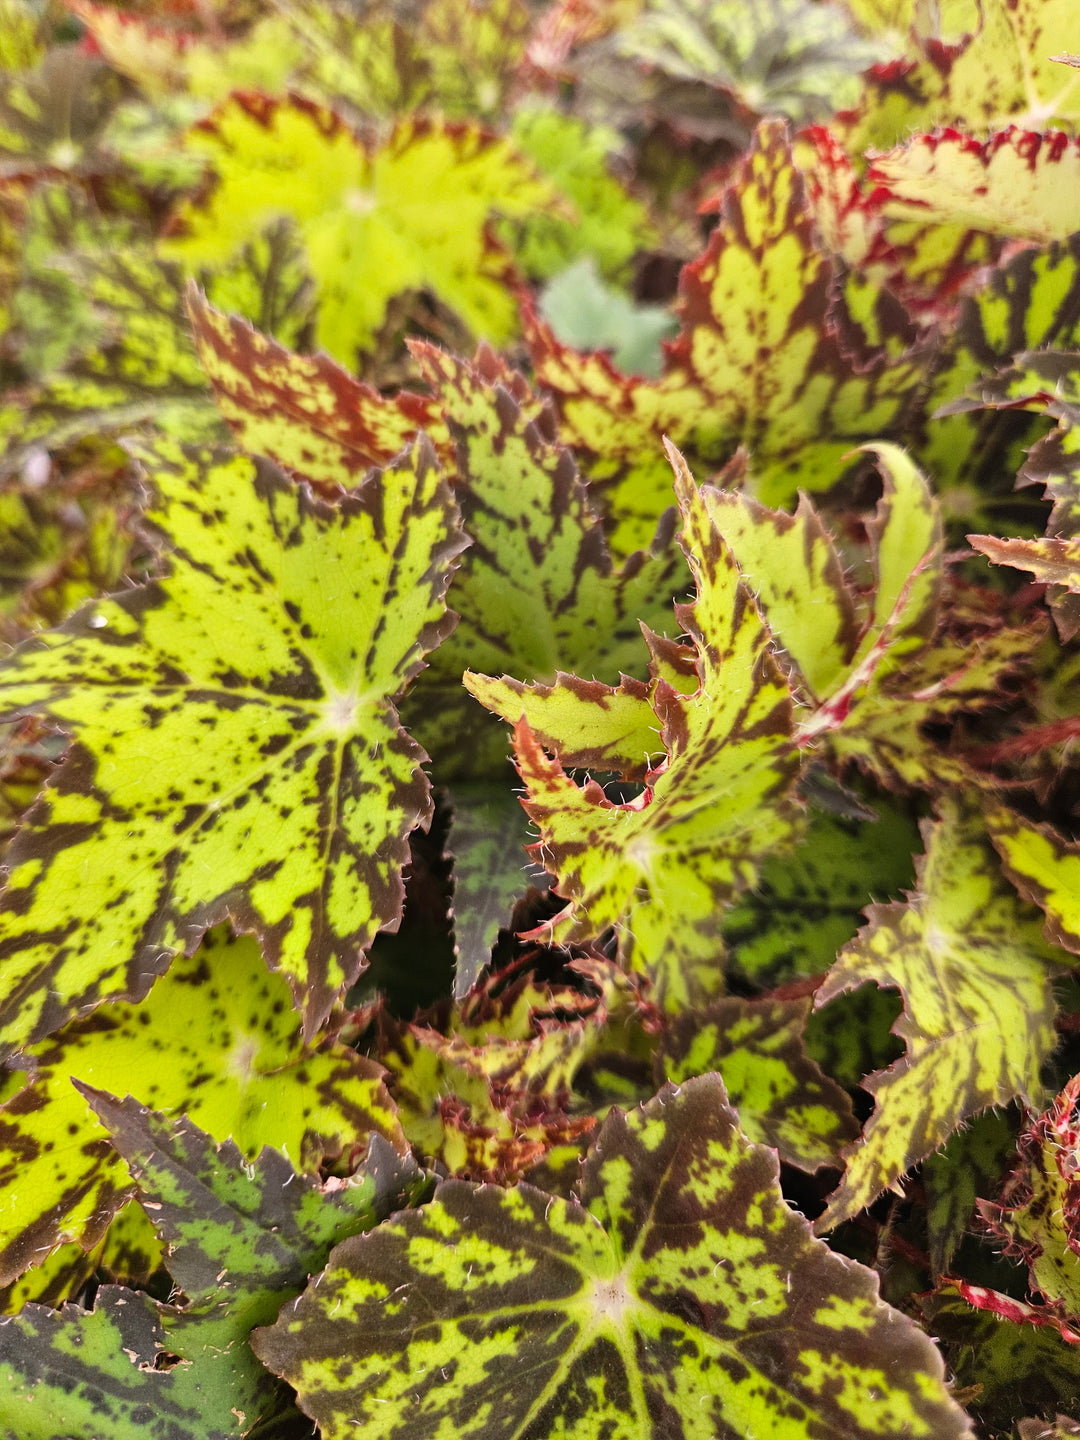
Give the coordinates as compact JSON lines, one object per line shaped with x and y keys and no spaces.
{"x":978,"y":1017}
{"x":238,"y":751}
{"x":680,"y":1298}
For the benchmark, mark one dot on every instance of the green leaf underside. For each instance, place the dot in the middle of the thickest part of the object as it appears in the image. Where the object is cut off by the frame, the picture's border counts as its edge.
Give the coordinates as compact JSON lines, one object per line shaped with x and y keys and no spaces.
{"x":681,"y":1298}
{"x":237,"y":748}
{"x":60,"y":1179}
{"x":978,"y":1017}
{"x":782,"y":1097}
{"x":243,"y":1239}
{"x":661,"y":867}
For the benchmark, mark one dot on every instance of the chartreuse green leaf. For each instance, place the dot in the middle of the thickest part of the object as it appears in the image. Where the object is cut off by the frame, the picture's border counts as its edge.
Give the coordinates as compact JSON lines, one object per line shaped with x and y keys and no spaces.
{"x":978,"y":1020}
{"x":242,"y":1241}
{"x":302,"y":411}
{"x":782,"y":1096}
{"x":216,"y":1039}
{"x":237,"y":747}
{"x":409,"y":214}
{"x":1044,"y":867}
{"x":537,"y":592}
{"x":680,"y":1298}
{"x":758,"y":362}
{"x":661,"y":867}
{"x":1016,"y":183}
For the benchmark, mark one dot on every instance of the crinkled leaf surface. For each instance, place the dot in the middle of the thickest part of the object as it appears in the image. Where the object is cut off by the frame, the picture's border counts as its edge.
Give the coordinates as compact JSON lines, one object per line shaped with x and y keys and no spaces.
{"x":243,"y":1238}
{"x":662,"y":866}
{"x":978,"y":1017}
{"x":216,"y":1039}
{"x":408,"y":215}
{"x":757,"y":362}
{"x":782,"y":1096}
{"x":680,"y":1298}
{"x":238,"y":751}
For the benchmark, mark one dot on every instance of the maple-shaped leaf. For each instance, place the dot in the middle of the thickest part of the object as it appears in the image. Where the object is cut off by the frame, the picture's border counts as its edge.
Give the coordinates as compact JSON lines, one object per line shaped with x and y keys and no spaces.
{"x":304,"y":412}
{"x":242,"y":1241}
{"x":263,"y":667}
{"x":1017,"y":183}
{"x":538,"y":591}
{"x":758,"y":362}
{"x":680,"y":1297}
{"x":216,"y":1039}
{"x":410,"y":214}
{"x":782,"y":1096}
{"x":662,"y":866}
{"x":978,"y":1020}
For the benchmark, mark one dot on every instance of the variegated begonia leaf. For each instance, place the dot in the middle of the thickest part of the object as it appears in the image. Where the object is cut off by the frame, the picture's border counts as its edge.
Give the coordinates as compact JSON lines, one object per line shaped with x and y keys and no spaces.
{"x":976,"y":66}
{"x":971,"y":1164}
{"x":537,"y":591}
{"x":237,"y":750}
{"x":128,"y":1253}
{"x":806,"y":906}
{"x":978,"y":1019}
{"x":782,"y":1096}
{"x":52,"y":117}
{"x":661,"y":867}
{"x":1018,"y":183}
{"x":1038,"y":1216}
{"x":680,"y":1298}
{"x":243,"y":1239}
{"x":409,"y":214}
{"x":758,"y":362}
{"x":304,"y":412}
{"x":216,"y":1039}
{"x":455,"y":1120}
{"x":1044,"y":867}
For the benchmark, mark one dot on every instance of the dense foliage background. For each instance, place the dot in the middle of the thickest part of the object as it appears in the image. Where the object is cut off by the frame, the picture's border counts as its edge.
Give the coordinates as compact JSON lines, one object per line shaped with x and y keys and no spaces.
{"x":680,"y":399}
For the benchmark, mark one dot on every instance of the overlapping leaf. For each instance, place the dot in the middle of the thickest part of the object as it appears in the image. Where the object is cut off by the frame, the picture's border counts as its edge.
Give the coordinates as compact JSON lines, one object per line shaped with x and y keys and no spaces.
{"x":242,"y":1241}
{"x":1044,"y":867}
{"x":238,"y":751}
{"x":680,"y":1298}
{"x":538,"y":592}
{"x":782,"y":1097}
{"x":758,"y":362}
{"x":410,"y":214}
{"x":971,"y":1165}
{"x":978,"y":1017}
{"x":59,"y":1178}
{"x":661,"y":867}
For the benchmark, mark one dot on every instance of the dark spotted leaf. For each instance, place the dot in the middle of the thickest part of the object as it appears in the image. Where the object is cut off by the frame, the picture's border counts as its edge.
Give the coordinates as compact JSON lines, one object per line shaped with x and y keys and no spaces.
{"x":243,"y":1239}
{"x":970,"y":1165}
{"x":283,"y":787}
{"x":782,"y":1096}
{"x":681,"y":1297}
{"x":978,"y":1018}
{"x":59,"y":1178}
{"x":758,"y":362}
{"x":661,"y":867}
